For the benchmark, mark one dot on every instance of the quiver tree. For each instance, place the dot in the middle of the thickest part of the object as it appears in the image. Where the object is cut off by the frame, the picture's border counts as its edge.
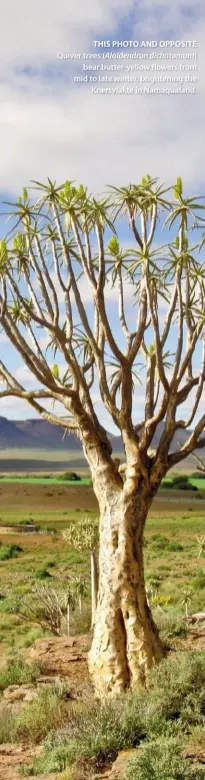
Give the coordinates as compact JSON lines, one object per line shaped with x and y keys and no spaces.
{"x":80,"y":586}
{"x":64,"y":245}
{"x":69,"y":604}
{"x":85,"y":536}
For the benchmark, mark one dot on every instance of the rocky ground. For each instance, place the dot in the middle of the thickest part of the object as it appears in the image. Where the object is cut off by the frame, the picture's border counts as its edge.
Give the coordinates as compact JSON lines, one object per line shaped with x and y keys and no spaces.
{"x":65,"y":659}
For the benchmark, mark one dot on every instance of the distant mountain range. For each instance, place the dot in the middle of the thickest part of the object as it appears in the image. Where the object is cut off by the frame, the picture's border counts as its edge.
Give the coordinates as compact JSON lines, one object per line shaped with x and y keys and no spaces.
{"x":38,"y":434}
{"x":35,"y":434}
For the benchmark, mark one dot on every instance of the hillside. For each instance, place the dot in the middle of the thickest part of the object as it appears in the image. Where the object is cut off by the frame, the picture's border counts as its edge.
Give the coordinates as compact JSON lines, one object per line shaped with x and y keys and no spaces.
{"x":36,"y":435}
{"x":179,"y":438}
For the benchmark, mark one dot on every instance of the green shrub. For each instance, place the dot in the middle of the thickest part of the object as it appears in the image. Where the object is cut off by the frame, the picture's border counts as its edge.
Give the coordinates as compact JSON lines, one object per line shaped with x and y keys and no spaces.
{"x":187,"y":486}
{"x":162,"y":761}
{"x":52,"y":760}
{"x":175,"y":547}
{"x":181,"y":482}
{"x":98,"y":730}
{"x":159,"y":542}
{"x":175,"y":678}
{"x":7,"y":724}
{"x":167,"y":484}
{"x":50,"y":564}
{"x":42,"y":573}
{"x":171,"y":706}
{"x":180,"y":478}
{"x":38,"y":717}
{"x":69,"y":476}
{"x":198,"y":583}
{"x":18,"y":672}
{"x":31,"y":636}
{"x":10,"y":604}
{"x":171,"y":624}
{"x":8,"y":551}
{"x":80,"y":623}
{"x":197,"y":475}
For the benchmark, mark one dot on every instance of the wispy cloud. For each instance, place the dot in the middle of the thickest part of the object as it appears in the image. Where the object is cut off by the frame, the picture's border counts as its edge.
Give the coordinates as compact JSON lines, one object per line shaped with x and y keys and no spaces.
{"x":51,"y":126}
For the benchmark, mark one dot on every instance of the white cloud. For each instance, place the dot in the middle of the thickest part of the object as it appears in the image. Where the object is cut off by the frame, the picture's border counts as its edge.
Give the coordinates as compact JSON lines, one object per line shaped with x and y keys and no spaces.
{"x":24,"y":376}
{"x":51,"y":127}
{"x":14,"y":408}
{"x":97,"y":140}
{"x":39,"y":30}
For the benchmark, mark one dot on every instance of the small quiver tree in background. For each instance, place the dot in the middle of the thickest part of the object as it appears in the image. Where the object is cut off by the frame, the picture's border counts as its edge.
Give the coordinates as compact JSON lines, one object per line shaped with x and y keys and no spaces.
{"x":84,"y":536}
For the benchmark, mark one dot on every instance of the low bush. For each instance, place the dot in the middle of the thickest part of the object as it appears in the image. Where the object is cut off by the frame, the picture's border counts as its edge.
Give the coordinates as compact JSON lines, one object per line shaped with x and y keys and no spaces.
{"x":171,"y":706}
{"x":9,"y":604}
{"x":187,"y":486}
{"x":69,"y":476}
{"x":171,"y":624}
{"x":42,"y":573}
{"x":52,"y":760}
{"x":198,"y":582}
{"x":40,"y":716}
{"x":175,"y":547}
{"x":80,"y":621}
{"x":198,"y":475}
{"x":163,"y":762}
{"x":180,"y":478}
{"x":182,"y":482}
{"x":18,"y":672}
{"x":8,"y":551}
{"x":7,"y":724}
{"x":50,"y":564}
{"x":167,"y":484}
{"x":31,"y":636}
{"x":175,"y":678}
{"x":159,"y":543}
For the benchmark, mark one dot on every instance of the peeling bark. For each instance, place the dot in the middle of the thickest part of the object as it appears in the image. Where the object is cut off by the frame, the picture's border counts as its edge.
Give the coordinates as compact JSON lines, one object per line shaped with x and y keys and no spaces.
{"x":126,"y":640}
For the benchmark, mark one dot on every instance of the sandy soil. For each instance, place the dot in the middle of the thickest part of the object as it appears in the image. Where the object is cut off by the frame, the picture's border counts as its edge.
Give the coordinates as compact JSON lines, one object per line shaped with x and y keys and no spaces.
{"x":59,"y":497}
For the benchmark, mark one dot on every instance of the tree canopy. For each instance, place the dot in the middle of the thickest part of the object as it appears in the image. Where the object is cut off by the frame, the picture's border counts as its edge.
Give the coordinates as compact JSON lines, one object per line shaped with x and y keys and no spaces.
{"x":63,"y":242}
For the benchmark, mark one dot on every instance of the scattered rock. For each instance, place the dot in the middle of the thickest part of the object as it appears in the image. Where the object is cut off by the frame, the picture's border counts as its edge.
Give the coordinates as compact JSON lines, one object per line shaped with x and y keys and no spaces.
{"x":195,"y":754}
{"x":119,"y":767}
{"x":13,"y":756}
{"x":20,"y":693}
{"x":49,"y":680}
{"x":63,"y":657}
{"x":46,"y":777}
{"x":195,"y":639}
{"x":196,"y":618}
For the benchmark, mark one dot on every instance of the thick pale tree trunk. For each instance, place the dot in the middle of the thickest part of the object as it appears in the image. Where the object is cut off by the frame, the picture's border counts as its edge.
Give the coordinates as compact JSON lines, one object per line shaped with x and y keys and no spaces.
{"x":126,"y":640}
{"x":94,"y":584}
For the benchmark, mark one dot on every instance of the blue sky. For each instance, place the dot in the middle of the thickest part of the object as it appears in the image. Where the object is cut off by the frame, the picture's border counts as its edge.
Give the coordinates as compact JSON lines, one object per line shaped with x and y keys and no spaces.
{"x":51,"y":126}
